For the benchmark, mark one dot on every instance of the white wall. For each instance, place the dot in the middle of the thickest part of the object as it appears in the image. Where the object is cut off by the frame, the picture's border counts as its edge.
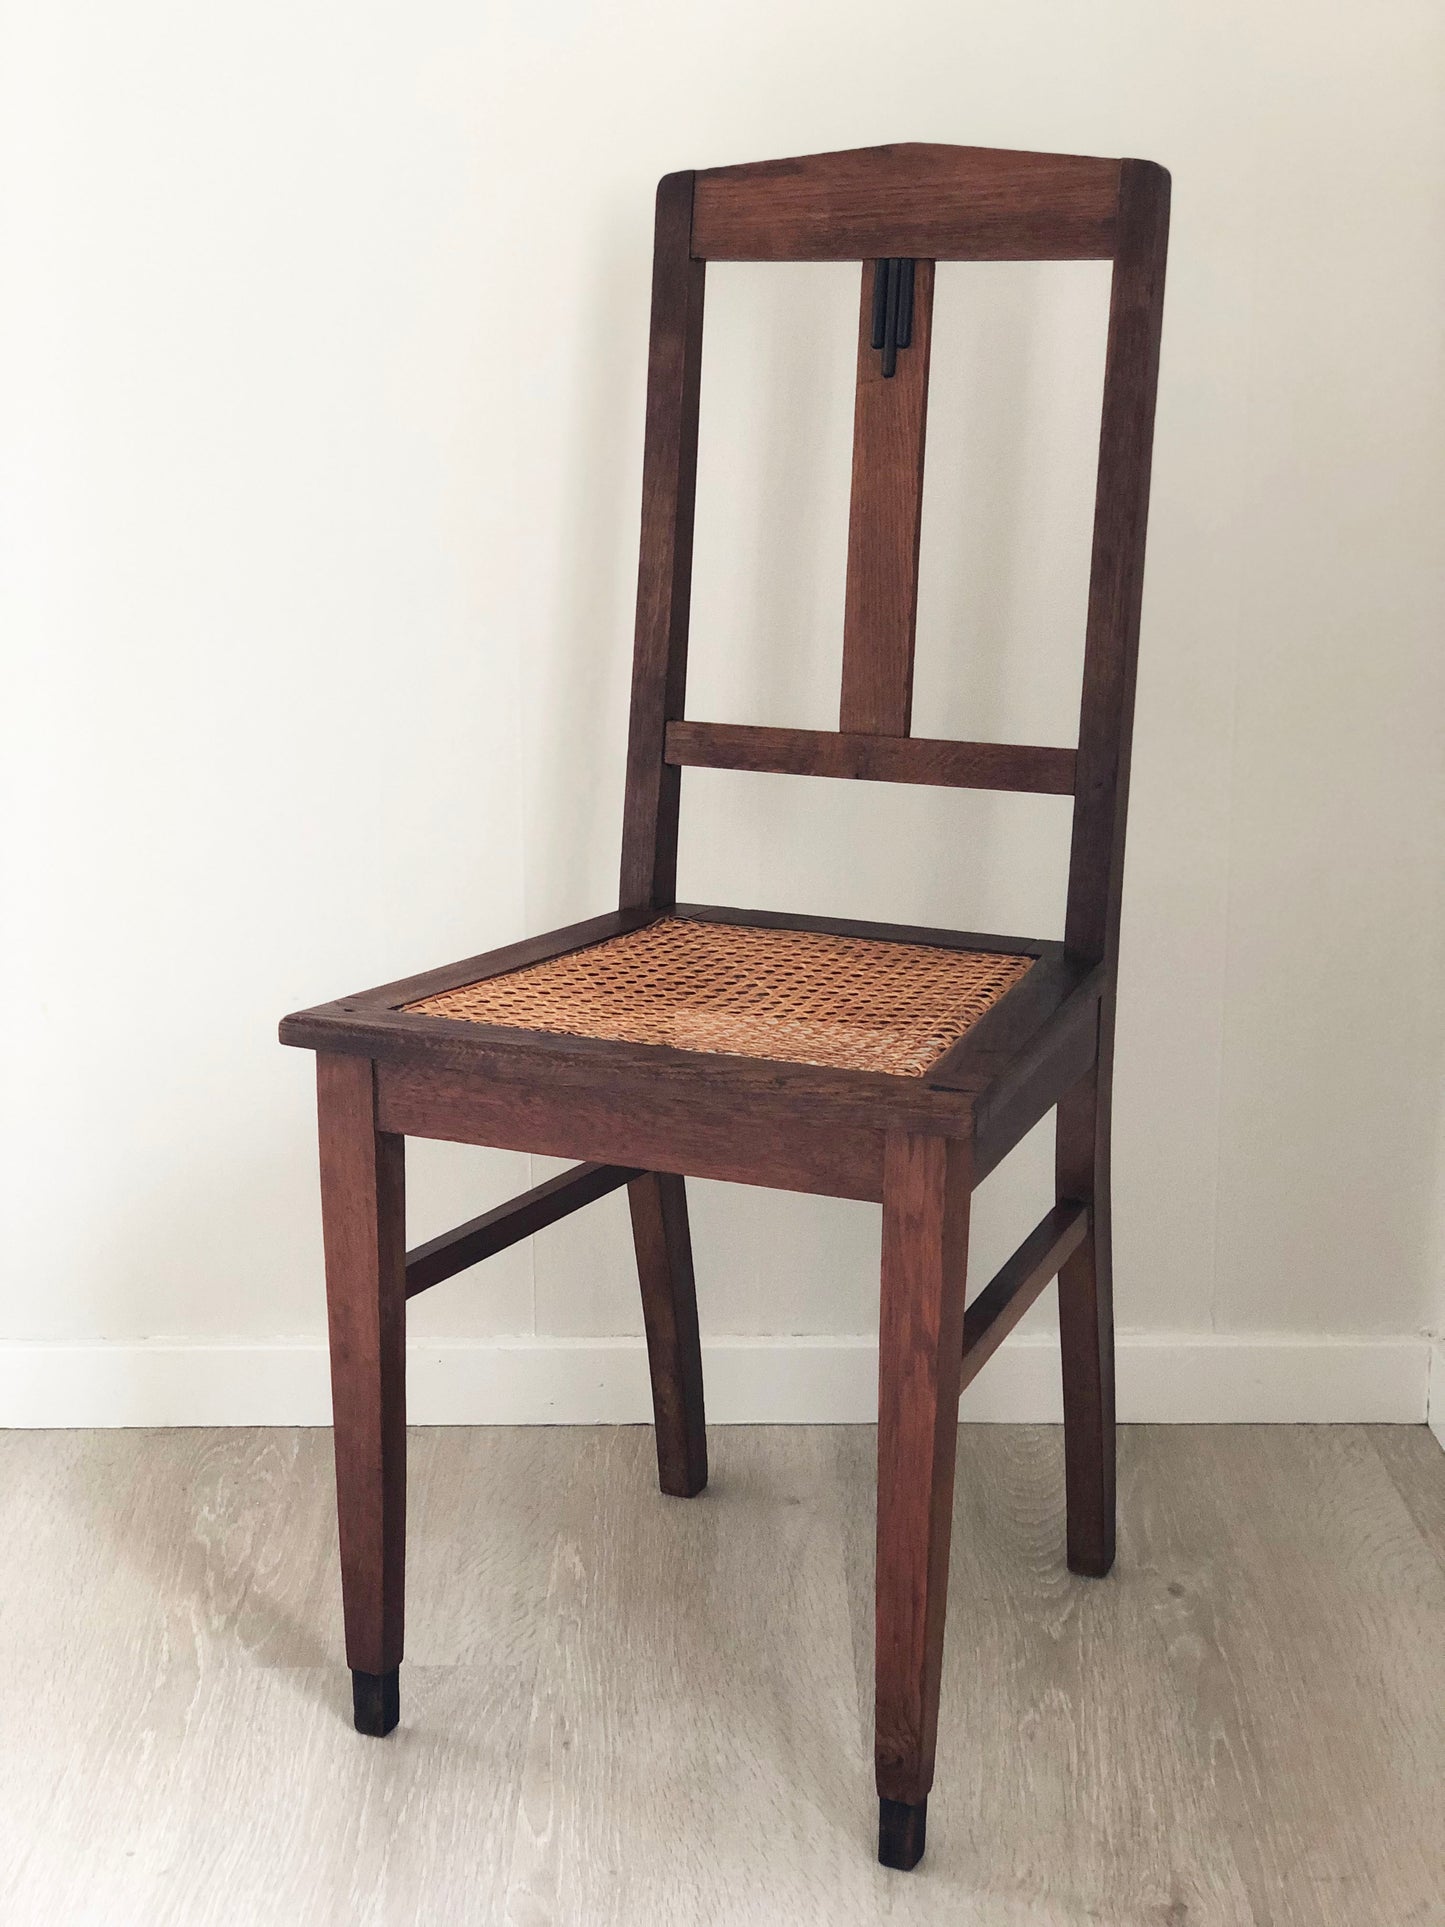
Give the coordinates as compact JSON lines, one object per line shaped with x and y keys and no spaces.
{"x":322,"y":363}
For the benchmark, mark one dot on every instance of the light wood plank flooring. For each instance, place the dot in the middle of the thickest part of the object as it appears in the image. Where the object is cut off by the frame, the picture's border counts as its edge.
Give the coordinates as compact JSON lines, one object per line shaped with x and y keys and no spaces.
{"x":629,"y":1710}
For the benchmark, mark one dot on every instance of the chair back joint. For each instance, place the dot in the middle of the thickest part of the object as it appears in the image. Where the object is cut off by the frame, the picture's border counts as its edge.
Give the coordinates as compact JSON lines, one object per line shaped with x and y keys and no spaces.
{"x":892,"y":309}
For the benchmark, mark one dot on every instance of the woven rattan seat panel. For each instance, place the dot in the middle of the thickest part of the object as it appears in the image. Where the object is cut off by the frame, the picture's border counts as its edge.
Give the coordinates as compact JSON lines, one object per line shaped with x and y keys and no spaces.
{"x":800,"y":996}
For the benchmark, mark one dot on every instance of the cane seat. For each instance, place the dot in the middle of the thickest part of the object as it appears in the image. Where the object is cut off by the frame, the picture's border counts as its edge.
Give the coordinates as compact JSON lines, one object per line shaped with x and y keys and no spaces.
{"x":798,"y":996}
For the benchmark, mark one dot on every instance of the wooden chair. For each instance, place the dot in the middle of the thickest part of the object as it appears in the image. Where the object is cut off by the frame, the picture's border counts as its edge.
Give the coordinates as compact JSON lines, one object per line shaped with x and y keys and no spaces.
{"x":806,"y":1053}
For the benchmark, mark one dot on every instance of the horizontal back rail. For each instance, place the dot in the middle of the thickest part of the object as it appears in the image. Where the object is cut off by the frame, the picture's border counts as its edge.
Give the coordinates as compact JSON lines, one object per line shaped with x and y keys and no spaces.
{"x":876,"y":759}
{"x":1006,"y":946}
{"x":929,"y":202}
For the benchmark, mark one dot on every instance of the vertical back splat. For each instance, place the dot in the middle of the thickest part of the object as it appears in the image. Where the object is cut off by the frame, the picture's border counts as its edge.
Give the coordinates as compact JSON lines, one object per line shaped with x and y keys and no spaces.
{"x":894,"y":334}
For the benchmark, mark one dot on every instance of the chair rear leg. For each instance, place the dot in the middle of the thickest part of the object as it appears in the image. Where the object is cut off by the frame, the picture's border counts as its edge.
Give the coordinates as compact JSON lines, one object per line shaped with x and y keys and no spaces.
{"x":1086,"y":1323}
{"x":363,"y":1219}
{"x":926,"y":1184}
{"x":658,"y":1202}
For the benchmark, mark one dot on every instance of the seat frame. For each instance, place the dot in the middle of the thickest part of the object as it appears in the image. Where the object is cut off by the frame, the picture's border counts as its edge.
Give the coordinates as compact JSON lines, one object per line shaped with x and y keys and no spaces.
{"x":644,"y":1116}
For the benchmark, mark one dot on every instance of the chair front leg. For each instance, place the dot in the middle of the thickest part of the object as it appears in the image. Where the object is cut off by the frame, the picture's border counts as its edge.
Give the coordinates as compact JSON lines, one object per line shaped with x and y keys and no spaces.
{"x":658,"y":1201}
{"x":363,"y":1220}
{"x":926,"y":1187}
{"x":1086,"y":1322}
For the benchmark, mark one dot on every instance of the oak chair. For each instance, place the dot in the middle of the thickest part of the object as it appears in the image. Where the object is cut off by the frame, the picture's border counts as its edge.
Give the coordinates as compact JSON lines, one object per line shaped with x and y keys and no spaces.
{"x":806,"y":1053}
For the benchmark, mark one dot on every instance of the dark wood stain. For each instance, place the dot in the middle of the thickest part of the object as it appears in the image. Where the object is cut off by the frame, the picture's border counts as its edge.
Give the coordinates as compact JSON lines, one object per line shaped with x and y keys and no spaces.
{"x":1003,"y":1301}
{"x":663,"y":1243}
{"x":871,"y":758}
{"x":926,"y":1187}
{"x":720,"y":1135}
{"x":880,"y":608}
{"x":483,"y":1237}
{"x":363,"y":1218}
{"x":664,"y":577}
{"x":930,"y":202}
{"x":645,"y":1115}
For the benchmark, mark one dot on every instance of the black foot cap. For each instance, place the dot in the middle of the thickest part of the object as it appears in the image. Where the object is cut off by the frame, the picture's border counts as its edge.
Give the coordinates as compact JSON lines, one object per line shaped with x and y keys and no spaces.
{"x":376,"y":1701}
{"x":686,"y":1486}
{"x":1093,"y":1564}
{"x":902,"y":1830}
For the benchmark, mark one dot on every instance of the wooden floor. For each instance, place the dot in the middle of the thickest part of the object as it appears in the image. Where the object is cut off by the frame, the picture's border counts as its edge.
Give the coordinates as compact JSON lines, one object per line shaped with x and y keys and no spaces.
{"x":625,"y":1709}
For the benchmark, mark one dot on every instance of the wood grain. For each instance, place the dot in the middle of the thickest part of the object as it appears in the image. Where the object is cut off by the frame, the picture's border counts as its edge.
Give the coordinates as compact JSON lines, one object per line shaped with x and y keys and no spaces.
{"x":1067,"y":1790}
{"x":926,"y":1185}
{"x":506,"y":1224}
{"x":469,"y":970}
{"x":1045,"y":1069}
{"x":1299,"y":1621}
{"x":872,"y":758}
{"x":885,"y":515}
{"x":696,"y":1675}
{"x":989,"y":1053}
{"x":186,"y":1757}
{"x":1086,"y":1318}
{"x":1244,"y":1725}
{"x":919,"y":1144}
{"x":1411,"y":1455}
{"x":664,"y":579}
{"x":992,"y":1315}
{"x":880,"y":932}
{"x":1116,"y":574}
{"x":658,"y":1204}
{"x":363,"y":1216}
{"x":732,"y":1137}
{"x":1096,"y":857}
{"x":931,"y":202}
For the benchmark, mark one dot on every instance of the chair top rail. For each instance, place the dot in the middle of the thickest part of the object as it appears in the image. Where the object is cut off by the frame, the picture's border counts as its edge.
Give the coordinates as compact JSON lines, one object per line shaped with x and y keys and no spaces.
{"x":914,"y":199}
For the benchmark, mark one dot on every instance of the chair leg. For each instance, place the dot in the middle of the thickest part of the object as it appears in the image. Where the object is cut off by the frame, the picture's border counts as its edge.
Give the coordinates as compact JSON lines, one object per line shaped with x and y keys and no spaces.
{"x":658,"y":1201}
{"x":926,"y":1185}
{"x":363,"y":1220}
{"x":1086,"y":1325}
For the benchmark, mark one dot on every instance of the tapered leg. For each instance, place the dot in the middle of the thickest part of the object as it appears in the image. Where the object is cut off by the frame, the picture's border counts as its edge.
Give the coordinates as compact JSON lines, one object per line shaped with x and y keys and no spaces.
{"x":1086,"y":1320}
{"x":926,"y":1185}
{"x":669,"y":1311}
{"x":363,"y":1218}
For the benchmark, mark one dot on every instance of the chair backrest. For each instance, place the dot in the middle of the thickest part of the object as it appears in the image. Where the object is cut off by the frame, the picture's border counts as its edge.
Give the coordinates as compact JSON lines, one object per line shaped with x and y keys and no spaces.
{"x":898,"y":210}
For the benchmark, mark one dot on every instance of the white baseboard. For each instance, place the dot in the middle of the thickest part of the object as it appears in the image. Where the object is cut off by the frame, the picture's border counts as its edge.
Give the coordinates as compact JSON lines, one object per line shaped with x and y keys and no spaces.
{"x":1254,"y":1378}
{"x":1435,"y":1398}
